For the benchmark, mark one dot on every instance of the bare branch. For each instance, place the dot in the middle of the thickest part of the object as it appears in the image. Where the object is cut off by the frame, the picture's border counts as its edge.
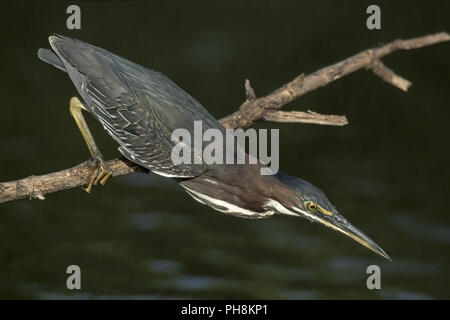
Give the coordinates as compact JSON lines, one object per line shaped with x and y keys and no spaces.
{"x":37,"y":186}
{"x":249,"y":92}
{"x":251,"y":111}
{"x":389,"y":76}
{"x":305,"y":117}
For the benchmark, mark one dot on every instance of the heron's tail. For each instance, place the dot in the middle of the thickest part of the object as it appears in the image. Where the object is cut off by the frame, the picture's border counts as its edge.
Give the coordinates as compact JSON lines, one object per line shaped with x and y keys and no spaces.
{"x":50,"y":57}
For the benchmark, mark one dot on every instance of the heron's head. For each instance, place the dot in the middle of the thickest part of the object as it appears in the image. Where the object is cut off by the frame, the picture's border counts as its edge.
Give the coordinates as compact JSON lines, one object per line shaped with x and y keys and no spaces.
{"x":314,"y":205}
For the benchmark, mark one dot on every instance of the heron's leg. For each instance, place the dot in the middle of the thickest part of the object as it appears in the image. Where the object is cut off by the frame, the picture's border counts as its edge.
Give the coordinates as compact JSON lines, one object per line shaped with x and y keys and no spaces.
{"x":103,"y":172}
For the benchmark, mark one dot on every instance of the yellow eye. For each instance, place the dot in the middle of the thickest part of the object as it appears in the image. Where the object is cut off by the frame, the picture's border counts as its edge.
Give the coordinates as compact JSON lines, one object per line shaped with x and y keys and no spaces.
{"x":311,"y":206}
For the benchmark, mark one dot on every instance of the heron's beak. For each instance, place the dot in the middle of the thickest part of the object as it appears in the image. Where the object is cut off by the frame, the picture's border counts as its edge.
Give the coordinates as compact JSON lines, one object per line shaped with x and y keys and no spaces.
{"x":339,"y":223}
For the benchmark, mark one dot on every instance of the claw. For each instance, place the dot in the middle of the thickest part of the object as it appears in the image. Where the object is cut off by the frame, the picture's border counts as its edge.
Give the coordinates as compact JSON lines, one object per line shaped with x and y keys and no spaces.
{"x":102,"y":174}
{"x":106,"y":178}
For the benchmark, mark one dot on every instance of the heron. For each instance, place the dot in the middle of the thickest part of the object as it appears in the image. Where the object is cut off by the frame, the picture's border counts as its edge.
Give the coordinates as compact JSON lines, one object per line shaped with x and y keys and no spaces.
{"x":139,"y":108}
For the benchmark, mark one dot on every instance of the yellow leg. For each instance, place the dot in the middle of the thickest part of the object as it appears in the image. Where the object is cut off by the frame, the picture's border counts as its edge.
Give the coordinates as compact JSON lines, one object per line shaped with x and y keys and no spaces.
{"x":103,"y":172}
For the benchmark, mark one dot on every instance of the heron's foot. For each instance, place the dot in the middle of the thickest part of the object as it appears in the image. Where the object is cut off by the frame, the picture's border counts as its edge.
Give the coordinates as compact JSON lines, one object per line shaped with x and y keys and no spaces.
{"x":101,"y":175}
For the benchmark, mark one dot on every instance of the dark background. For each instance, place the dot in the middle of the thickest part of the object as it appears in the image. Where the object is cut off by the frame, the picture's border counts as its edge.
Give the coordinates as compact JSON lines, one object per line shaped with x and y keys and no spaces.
{"x":144,"y":237}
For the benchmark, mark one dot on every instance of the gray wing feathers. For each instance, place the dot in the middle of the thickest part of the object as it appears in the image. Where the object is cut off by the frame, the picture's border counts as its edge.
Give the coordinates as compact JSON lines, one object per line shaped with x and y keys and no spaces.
{"x":138,"y":107}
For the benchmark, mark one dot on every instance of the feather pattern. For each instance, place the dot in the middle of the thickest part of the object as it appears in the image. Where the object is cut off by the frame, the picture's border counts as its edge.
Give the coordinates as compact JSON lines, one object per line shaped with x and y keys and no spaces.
{"x":138,"y":107}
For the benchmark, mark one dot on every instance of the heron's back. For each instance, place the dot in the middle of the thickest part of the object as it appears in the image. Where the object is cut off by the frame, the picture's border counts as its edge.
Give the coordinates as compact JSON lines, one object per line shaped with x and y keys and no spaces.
{"x":138,"y":107}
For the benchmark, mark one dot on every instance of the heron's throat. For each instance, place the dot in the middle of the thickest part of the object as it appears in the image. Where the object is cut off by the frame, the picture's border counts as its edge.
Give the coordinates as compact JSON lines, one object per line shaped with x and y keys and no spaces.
{"x":224,"y":205}
{"x":241,"y":191}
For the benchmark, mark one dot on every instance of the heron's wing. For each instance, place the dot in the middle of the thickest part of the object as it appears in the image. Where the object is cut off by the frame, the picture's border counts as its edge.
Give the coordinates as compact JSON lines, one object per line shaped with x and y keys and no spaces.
{"x":50,"y":57}
{"x":139,"y":108}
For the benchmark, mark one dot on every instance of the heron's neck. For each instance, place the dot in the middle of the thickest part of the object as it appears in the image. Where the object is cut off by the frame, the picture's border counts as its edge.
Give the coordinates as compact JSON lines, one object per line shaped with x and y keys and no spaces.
{"x":239,"y":190}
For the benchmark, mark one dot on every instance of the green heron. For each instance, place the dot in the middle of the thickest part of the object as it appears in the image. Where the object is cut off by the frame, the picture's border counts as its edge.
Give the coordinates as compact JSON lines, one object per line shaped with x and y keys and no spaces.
{"x":140,"y":108}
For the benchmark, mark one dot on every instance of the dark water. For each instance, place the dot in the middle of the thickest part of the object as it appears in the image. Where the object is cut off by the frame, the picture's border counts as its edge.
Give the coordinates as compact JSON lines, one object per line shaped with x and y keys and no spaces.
{"x":143,"y":237}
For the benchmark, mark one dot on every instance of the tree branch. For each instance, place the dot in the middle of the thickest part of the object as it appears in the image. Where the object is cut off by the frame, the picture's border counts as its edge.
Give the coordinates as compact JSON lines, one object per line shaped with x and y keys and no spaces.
{"x":251,"y":111}
{"x":389,"y":76}
{"x":304,"y":117}
{"x":37,"y":186}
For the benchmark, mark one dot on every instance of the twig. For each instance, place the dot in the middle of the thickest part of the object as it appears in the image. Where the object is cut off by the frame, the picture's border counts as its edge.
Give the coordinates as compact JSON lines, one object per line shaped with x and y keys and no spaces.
{"x":389,"y":76}
{"x":305,"y":117}
{"x":251,"y":111}
{"x":249,"y":92}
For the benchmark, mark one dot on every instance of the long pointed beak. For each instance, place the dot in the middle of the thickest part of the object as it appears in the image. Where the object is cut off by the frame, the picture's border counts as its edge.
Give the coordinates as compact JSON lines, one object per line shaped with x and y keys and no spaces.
{"x":339,"y":223}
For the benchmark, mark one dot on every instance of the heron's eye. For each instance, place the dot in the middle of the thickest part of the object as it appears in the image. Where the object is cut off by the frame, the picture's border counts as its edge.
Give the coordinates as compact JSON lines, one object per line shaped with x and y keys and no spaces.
{"x":311,"y":206}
